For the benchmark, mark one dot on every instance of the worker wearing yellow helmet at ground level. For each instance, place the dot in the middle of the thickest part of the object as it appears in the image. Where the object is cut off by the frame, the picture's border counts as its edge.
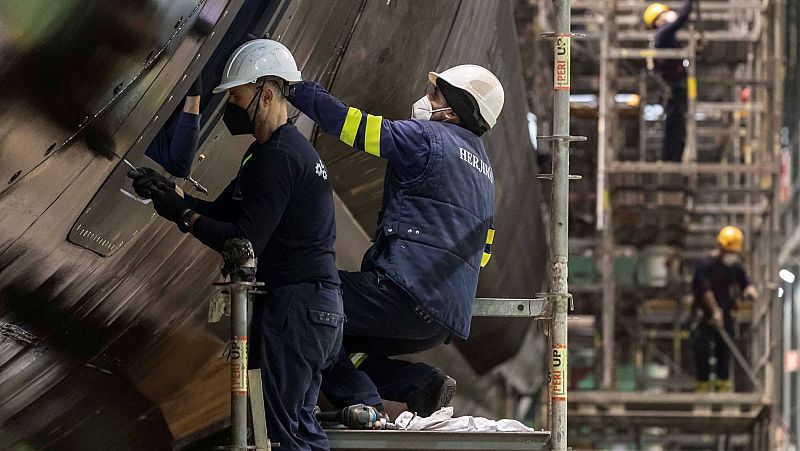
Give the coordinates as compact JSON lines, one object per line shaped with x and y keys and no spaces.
{"x":667,"y":23}
{"x":717,"y":279}
{"x":418,"y":281}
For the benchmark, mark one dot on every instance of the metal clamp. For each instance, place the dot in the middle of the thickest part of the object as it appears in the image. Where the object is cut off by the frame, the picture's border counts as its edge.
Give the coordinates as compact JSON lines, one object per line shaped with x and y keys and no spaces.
{"x":551,"y":297}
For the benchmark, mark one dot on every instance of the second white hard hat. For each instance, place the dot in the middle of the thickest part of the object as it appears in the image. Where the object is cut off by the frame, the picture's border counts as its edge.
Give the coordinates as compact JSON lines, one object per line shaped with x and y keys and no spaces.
{"x":481,"y":84}
{"x":255,"y":59}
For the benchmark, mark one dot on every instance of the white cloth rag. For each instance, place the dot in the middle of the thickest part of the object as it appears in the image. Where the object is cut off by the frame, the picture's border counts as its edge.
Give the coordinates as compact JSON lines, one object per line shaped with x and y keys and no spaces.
{"x":442,"y":420}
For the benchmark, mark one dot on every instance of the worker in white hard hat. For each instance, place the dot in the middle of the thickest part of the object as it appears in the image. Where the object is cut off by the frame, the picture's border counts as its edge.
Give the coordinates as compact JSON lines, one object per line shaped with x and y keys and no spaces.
{"x":717,"y":279}
{"x":281,"y":201}
{"x":667,"y":23}
{"x":418,"y":281}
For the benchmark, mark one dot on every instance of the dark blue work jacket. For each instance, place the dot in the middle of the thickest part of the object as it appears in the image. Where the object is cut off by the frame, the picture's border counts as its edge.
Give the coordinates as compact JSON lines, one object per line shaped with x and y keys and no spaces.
{"x":434,"y":231}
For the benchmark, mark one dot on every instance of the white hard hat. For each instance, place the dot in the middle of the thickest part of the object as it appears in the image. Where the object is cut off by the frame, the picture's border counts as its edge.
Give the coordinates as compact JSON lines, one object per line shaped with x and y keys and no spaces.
{"x":255,"y":59}
{"x":481,"y":84}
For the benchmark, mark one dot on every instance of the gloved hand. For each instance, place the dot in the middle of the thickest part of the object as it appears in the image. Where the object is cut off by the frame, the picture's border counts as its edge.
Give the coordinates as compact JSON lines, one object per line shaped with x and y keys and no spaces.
{"x":169,"y":205}
{"x":146,"y":181}
{"x":716,"y":318}
{"x":197,"y":87}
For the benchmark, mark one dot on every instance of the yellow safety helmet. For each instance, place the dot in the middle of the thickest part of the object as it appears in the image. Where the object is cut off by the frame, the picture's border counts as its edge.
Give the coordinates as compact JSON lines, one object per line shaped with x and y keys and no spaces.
{"x":730,"y":239}
{"x":652,"y":12}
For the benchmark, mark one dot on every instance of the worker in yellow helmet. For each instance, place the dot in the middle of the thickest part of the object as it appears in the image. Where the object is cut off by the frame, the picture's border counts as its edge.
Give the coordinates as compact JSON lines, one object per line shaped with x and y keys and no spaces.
{"x":667,"y":22}
{"x":717,"y":277}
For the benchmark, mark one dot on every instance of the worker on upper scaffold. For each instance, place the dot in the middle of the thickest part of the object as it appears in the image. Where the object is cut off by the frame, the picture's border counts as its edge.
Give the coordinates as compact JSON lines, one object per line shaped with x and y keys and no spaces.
{"x":667,"y":23}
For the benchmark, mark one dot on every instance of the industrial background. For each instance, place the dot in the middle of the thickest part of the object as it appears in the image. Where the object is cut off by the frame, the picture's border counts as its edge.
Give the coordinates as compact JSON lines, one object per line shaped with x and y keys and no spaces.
{"x":104,"y":342}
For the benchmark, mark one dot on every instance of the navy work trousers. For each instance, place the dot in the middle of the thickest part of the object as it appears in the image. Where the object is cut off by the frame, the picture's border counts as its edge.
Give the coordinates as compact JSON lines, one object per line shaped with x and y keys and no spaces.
{"x":707,"y":340}
{"x":296,"y":331}
{"x":382,"y":320}
{"x":675,"y":123}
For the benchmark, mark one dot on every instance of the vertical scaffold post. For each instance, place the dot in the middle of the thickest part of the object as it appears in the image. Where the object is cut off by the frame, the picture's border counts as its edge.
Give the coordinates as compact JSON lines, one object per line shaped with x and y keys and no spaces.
{"x":559,"y":226}
{"x":240,"y":266}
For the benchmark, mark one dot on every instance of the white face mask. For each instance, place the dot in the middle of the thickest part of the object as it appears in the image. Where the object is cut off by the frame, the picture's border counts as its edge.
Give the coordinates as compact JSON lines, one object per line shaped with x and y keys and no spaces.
{"x":423,"y":110}
{"x":729,"y":259}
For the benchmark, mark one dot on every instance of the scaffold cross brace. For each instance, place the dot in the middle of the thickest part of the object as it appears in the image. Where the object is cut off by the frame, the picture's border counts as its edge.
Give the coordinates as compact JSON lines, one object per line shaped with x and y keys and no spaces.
{"x":567,"y":138}
{"x":553,"y":34}
{"x":550,"y":177}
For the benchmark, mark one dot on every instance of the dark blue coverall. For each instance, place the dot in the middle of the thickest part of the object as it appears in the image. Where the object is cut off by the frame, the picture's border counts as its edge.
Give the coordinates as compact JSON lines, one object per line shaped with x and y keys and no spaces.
{"x":711,"y":274}
{"x":175,"y":144}
{"x":674,"y":74}
{"x":282,"y":201}
{"x":417,"y":282}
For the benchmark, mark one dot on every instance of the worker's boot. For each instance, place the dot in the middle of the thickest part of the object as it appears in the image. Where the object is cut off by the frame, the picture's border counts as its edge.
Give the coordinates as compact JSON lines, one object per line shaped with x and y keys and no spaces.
{"x":436,"y":394}
{"x":702,"y":386}
{"x":724,"y":386}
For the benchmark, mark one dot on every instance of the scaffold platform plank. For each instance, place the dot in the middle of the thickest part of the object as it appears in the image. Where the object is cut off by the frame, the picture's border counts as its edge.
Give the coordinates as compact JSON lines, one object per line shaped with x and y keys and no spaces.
{"x":730,"y":209}
{"x":708,"y":36}
{"x":350,"y":440}
{"x":663,"y":167}
{"x":634,"y":53}
{"x":711,"y":412}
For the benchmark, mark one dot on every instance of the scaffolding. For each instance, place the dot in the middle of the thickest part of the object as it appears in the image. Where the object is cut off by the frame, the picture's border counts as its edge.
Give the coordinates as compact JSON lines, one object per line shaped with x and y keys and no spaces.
{"x":729,"y":175}
{"x":552,"y":306}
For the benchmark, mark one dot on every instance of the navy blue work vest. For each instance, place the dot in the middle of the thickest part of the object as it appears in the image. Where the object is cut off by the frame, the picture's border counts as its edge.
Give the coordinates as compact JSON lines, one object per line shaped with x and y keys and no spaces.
{"x":432,"y":230}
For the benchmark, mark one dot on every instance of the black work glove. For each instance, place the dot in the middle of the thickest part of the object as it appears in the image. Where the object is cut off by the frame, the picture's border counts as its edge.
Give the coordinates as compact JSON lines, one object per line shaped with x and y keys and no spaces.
{"x":197,"y":87}
{"x":169,"y":205}
{"x":146,"y":181}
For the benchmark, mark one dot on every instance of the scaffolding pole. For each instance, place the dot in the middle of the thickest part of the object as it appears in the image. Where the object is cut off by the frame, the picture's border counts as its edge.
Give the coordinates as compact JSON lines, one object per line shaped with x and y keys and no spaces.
{"x":559,"y":226}
{"x":605,"y":154}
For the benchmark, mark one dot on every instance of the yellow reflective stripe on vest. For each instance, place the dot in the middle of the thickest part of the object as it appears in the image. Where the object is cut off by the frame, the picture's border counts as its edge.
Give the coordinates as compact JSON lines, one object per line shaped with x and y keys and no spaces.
{"x":372,"y":136}
{"x":485,"y":259}
{"x":246,"y":159}
{"x":350,"y":127}
{"x":487,"y":253}
{"x":358,"y":358}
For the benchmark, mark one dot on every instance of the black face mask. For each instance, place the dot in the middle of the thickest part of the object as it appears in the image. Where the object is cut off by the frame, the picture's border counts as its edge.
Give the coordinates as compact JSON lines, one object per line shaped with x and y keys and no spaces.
{"x":238,"y":119}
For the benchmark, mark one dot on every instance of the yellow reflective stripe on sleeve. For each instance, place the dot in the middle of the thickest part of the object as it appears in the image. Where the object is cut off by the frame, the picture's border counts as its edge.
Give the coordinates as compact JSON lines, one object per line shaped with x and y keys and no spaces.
{"x":246,"y":159}
{"x":490,"y":236}
{"x":358,"y":358}
{"x":350,"y":127}
{"x":485,"y":259}
{"x":372,"y":136}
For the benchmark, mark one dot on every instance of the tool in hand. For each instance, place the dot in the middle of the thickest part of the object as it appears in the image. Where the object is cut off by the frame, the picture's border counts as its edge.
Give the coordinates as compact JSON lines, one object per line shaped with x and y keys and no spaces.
{"x":738,"y":356}
{"x":196,"y":184}
{"x":358,"y":416}
{"x":129,"y":164}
